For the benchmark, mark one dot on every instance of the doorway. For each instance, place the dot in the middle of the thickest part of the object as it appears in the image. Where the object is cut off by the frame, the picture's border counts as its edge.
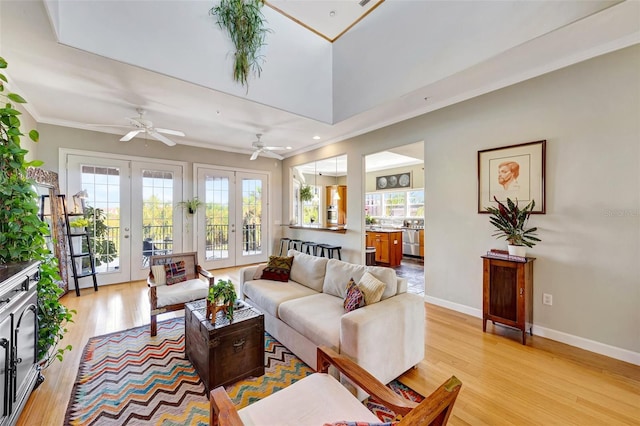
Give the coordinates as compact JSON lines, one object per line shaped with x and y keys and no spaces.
{"x":130,"y":209}
{"x":232,"y":227}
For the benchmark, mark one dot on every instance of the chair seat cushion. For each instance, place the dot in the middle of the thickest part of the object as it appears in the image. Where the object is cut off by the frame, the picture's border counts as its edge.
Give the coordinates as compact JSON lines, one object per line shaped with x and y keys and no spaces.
{"x":183,"y":292}
{"x":268,"y":295}
{"x":314,"y":400}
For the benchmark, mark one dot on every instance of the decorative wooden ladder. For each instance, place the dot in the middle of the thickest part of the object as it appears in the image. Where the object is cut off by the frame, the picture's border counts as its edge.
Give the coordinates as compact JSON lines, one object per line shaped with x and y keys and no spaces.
{"x":77,"y":274}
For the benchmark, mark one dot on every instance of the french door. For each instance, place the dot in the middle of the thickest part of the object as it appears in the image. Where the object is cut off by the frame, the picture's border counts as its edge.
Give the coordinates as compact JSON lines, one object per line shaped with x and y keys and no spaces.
{"x":130,"y":207}
{"x":232,"y":227}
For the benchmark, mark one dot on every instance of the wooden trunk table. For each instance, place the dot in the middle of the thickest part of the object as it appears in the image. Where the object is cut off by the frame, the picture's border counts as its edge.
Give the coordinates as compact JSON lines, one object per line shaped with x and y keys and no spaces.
{"x":224,"y":352}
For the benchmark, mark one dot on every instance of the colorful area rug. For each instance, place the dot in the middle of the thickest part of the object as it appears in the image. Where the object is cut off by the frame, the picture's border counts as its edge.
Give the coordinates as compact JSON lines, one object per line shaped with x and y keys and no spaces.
{"x":131,"y":378}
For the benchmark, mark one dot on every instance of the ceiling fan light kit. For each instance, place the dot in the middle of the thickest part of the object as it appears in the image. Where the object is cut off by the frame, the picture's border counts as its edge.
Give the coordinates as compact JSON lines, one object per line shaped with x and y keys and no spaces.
{"x":261,"y":149}
{"x":141,"y":125}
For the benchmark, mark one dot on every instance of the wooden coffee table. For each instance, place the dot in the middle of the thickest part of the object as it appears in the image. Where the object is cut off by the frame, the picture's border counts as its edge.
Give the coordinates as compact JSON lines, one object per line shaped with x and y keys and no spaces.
{"x":224,"y":352}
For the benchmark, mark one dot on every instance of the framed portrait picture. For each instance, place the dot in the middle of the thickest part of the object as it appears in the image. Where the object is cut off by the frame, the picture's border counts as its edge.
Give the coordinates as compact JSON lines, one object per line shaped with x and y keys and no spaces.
{"x":516,"y":172}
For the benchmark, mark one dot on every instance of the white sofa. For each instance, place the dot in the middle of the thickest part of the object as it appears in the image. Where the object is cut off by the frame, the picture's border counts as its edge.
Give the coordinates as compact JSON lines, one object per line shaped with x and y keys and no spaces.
{"x":385,"y":338}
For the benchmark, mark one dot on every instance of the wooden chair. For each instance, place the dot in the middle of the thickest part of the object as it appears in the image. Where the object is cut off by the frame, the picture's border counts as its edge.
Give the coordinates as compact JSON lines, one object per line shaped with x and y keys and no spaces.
{"x":433,"y":410}
{"x":167,"y":298}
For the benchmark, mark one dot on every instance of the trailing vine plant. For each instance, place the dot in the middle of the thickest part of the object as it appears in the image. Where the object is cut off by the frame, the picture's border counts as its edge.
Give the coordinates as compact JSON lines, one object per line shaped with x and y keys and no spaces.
{"x":244,"y":23}
{"x":22,"y":233}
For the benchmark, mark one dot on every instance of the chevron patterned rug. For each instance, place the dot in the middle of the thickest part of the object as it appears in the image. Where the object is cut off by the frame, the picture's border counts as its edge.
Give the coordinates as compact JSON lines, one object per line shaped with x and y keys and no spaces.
{"x":131,"y":378}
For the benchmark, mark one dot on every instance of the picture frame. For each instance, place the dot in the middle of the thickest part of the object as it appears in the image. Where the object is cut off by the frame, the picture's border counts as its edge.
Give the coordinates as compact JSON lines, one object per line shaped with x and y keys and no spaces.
{"x":395,"y":181}
{"x":516,"y":172}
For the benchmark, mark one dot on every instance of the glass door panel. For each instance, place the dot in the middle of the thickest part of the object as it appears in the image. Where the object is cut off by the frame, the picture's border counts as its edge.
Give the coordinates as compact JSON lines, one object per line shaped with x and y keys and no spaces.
{"x":252,"y":199}
{"x":157,"y":224}
{"x":107,"y":208}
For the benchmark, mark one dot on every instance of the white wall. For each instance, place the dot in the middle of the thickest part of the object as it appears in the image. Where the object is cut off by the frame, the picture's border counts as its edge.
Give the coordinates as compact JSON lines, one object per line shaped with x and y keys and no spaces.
{"x":589,"y":258}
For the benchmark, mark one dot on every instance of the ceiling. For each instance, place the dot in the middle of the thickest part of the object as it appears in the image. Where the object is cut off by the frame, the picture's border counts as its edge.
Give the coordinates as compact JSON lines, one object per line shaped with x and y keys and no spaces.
{"x":364,"y":80}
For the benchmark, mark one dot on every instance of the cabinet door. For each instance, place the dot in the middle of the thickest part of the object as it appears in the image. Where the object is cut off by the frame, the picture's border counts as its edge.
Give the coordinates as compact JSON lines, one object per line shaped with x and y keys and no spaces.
{"x":384,"y":248}
{"x":503,"y":290}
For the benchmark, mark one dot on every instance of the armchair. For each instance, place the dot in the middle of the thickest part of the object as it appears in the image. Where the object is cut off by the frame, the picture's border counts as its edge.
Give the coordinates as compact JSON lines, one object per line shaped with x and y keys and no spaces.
{"x":166,"y":298}
{"x":320,"y":398}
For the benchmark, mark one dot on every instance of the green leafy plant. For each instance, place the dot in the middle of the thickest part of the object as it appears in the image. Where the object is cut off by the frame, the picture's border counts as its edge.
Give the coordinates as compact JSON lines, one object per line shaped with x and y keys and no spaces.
{"x":306,"y":193}
{"x":223,"y":292}
{"x":103,"y":248}
{"x":511,"y":222}
{"x":191,"y":206}
{"x":79,"y":223}
{"x":244,"y":22}
{"x":22,"y":233}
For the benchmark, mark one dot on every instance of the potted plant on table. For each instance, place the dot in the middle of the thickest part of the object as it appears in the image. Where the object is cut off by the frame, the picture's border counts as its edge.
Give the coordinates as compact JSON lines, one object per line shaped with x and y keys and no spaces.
{"x":511,"y":222}
{"x":222,"y":297}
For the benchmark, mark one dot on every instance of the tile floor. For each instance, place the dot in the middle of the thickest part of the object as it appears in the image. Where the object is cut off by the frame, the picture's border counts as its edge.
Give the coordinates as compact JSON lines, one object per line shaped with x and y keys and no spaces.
{"x":413,"y":270}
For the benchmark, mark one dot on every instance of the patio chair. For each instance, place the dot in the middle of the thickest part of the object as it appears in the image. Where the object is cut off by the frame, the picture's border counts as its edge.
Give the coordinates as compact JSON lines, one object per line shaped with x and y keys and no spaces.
{"x":320,"y":398}
{"x":149,"y":249}
{"x":165,"y":295}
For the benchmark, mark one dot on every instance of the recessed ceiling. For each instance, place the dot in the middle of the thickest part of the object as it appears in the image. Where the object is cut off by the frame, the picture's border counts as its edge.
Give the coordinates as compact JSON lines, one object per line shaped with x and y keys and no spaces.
{"x":329,"y":19}
{"x":378,"y":73}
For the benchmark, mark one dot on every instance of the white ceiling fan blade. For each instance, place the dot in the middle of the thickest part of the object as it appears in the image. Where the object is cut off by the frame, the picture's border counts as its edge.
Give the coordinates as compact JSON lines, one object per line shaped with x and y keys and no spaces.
{"x":170,"y":132}
{"x":272,"y":155}
{"x":273,"y":148}
{"x":255,"y":155}
{"x":132,"y":134}
{"x":161,"y":138}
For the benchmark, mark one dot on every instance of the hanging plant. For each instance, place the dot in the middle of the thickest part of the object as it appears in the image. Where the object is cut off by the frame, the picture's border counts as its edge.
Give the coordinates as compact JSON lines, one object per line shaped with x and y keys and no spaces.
{"x":22,"y":232}
{"x":191,"y":206}
{"x":244,"y":23}
{"x":306,"y":193}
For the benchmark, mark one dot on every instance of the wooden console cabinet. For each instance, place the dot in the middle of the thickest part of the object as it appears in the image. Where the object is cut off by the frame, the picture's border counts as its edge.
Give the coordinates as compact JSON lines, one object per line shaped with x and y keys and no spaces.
{"x":508,"y":293}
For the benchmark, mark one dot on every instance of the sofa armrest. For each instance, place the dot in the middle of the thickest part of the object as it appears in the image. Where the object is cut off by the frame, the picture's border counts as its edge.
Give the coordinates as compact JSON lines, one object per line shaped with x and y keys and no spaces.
{"x":386,"y":338}
{"x":246,"y":274}
{"x":403,"y":284}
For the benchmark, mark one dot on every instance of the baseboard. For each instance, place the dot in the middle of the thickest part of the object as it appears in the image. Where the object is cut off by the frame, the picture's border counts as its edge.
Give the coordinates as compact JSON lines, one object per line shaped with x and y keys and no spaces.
{"x":559,"y":336}
{"x":454,"y":306}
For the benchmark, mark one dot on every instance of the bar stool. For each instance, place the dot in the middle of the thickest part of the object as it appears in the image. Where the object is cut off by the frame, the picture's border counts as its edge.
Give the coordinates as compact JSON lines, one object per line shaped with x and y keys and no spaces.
{"x":284,"y":242}
{"x":295,"y":244}
{"x":311,"y":248}
{"x":331,"y":250}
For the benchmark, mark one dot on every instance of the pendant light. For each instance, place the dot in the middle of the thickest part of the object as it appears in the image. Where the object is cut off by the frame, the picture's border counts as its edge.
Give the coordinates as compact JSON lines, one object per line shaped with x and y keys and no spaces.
{"x":336,"y":196}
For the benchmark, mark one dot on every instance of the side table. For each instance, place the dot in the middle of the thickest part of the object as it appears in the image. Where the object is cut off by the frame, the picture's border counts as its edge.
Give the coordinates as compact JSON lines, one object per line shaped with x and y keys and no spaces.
{"x":227,"y":351}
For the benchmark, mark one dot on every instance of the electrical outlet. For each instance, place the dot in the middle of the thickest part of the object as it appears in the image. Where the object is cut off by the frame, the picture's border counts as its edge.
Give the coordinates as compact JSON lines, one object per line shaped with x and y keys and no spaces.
{"x":547,"y":299}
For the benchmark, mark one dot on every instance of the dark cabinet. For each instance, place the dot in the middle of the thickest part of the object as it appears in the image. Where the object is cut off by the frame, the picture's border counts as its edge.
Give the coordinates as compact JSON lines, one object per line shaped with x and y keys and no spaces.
{"x":508,"y":293}
{"x":19,"y":371}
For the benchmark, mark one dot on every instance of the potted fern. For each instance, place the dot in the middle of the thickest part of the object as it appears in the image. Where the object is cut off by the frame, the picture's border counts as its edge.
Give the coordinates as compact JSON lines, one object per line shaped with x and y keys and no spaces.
{"x":306,"y":193}
{"x":511,"y":222}
{"x":191,"y":206}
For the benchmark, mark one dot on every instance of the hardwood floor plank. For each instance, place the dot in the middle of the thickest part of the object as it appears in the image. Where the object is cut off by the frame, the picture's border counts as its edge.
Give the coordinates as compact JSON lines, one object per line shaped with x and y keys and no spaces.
{"x":504,"y":382}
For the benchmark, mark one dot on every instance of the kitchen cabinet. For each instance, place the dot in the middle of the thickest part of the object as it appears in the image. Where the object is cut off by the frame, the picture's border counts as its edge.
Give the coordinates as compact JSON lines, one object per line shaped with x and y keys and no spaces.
{"x":508,"y":293}
{"x":422,"y":243}
{"x":336,"y":207}
{"x":388,"y":245}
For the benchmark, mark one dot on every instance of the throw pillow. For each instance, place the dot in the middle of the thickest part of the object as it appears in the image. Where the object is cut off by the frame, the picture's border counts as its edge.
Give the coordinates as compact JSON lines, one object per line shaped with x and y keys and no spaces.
{"x":372,"y":288}
{"x":354,"y":298}
{"x":278,"y":268}
{"x":175,"y":272}
{"x":159,"y":276}
{"x":258,"y":274}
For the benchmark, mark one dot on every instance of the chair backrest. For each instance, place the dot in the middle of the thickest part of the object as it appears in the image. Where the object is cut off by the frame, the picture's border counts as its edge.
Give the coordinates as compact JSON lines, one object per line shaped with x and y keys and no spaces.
{"x":147,"y":247}
{"x":190,"y":262}
{"x":435,"y":409}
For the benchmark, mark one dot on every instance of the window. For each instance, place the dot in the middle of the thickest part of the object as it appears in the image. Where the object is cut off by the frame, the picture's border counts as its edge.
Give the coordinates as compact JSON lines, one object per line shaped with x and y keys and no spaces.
{"x":311,"y":208}
{"x":399,"y":204}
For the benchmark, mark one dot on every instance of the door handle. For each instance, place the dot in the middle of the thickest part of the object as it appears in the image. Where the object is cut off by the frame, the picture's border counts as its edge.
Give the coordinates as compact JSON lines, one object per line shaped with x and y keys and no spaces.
{"x":126,"y":236}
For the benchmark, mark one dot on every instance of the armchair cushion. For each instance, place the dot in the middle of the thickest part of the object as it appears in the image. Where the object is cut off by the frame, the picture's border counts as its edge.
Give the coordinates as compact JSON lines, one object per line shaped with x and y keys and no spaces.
{"x":175,"y":272}
{"x":159,"y":275}
{"x":182,"y":292}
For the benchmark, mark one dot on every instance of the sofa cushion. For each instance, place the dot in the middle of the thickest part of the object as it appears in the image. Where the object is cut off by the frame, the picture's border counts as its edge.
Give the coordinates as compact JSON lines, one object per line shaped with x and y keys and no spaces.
{"x":354,"y":298}
{"x":268,"y":295}
{"x":308,"y":270}
{"x":278,"y":268}
{"x":371,"y":287}
{"x":316,"y":317}
{"x":182,"y":292}
{"x":159,"y":275}
{"x":338,"y":274}
{"x":387,"y":276}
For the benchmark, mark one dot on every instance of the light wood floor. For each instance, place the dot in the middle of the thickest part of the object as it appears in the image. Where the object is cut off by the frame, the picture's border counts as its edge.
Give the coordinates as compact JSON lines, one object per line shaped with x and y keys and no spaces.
{"x":504,"y":382}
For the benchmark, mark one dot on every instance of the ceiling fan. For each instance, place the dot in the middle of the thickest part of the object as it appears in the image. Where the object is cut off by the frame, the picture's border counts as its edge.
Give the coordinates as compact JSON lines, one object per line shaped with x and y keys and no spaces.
{"x":141,"y":125}
{"x":261,"y":149}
